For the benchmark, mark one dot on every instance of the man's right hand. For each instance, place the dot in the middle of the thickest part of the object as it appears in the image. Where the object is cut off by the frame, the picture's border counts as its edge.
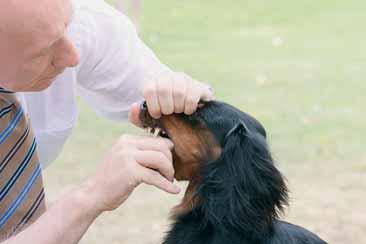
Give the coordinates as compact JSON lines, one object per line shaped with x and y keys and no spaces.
{"x":132,"y":160}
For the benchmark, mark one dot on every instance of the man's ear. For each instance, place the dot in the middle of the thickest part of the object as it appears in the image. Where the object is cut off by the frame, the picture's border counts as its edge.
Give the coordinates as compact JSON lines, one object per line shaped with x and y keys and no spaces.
{"x":246,"y":190}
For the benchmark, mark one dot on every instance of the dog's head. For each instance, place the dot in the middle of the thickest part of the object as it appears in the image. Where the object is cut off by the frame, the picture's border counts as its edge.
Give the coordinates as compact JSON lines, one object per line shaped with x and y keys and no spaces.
{"x":223,"y":153}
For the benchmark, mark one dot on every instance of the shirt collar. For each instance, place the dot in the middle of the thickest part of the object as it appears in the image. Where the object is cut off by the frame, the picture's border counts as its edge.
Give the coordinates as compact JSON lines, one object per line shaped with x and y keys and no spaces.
{"x":2,"y":90}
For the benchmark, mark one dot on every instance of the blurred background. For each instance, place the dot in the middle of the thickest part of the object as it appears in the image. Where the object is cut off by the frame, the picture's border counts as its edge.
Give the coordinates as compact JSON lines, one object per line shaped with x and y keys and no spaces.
{"x":298,"y":66}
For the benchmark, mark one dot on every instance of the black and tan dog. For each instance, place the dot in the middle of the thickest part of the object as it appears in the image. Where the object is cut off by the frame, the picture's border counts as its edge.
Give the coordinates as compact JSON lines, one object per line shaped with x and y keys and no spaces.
{"x":235,"y":193}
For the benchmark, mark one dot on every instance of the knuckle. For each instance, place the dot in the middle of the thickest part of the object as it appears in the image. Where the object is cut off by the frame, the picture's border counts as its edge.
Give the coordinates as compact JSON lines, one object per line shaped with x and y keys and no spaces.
{"x":163,"y":91}
{"x":179,"y":94}
{"x":169,"y":168}
{"x":128,"y":166}
{"x":149,"y":91}
{"x":126,"y":138}
{"x":155,"y":178}
{"x":154,"y":174}
{"x":160,"y":143}
{"x":166,"y":143}
{"x":162,"y":158}
{"x":137,"y":178}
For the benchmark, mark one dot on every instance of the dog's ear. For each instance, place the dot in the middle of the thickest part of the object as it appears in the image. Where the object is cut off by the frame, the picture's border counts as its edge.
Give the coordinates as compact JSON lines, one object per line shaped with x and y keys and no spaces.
{"x":243,"y":189}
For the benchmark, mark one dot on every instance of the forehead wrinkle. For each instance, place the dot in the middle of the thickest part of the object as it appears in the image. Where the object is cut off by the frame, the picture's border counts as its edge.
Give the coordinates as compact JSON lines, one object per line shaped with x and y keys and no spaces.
{"x":44,"y":20}
{"x":63,"y":16}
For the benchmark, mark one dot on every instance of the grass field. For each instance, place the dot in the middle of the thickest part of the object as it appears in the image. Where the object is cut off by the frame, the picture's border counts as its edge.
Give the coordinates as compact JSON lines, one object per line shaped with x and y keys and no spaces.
{"x":298,"y":66}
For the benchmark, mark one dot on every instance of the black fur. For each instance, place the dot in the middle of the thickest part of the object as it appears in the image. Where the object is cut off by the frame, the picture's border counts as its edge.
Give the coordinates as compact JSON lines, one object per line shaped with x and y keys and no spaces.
{"x":242,"y":193}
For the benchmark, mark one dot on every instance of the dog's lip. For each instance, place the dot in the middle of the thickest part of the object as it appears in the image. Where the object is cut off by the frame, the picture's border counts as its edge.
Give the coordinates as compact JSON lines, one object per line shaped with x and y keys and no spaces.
{"x":147,"y":121}
{"x":151,"y":125}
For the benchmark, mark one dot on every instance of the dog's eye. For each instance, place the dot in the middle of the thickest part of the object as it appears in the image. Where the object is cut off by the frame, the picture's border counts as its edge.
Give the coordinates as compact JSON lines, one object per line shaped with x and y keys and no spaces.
{"x":190,"y":119}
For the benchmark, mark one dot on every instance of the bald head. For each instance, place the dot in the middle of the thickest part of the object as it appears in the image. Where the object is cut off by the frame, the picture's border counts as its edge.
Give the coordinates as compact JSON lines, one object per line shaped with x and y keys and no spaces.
{"x":31,"y":38}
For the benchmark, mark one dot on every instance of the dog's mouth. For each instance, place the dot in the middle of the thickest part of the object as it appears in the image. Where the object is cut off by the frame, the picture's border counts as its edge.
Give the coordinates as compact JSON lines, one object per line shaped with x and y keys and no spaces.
{"x":151,"y":125}
{"x":157,"y":132}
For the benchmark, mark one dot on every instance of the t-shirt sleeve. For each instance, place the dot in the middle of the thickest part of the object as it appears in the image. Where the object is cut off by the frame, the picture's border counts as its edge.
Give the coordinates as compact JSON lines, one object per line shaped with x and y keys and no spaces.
{"x":113,"y":60}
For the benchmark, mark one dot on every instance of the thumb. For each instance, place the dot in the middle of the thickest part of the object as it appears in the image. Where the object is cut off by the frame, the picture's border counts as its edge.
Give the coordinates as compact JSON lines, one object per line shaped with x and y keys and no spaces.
{"x":207,"y":93}
{"x":134,"y":115}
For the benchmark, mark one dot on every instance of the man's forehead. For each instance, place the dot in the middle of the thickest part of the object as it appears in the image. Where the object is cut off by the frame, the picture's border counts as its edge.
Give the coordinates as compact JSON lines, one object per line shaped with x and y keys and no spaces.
{"x":25,"y":17}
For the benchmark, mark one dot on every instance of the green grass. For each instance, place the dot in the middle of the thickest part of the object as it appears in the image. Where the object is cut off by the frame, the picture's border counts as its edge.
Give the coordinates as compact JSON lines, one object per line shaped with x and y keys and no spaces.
{"x":308,"y":90}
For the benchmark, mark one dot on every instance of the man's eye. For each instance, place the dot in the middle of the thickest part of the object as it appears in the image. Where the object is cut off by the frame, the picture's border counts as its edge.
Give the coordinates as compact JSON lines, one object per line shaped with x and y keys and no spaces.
{"x":40,"y":59}
{"x":43,"y":53}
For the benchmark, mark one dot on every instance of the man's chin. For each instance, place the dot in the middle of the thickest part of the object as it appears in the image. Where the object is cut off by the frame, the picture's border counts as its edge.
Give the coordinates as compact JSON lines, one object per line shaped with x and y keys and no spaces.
{"x":29,"y":87}
{"x":41,"y":85}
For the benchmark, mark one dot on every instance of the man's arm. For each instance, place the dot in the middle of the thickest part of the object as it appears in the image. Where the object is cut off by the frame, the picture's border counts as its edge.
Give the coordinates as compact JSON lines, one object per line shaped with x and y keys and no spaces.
{"x":64,"y":223}
{"x":114,"y":61}
{"x":117,"y":69}
{"x":133,"y":160}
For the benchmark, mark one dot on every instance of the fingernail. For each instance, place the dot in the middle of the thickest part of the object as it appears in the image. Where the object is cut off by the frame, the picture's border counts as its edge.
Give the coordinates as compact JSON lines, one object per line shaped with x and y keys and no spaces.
{"x":176,"y":189}
{"x":135,"y":105}
{"x":156,"y":116}
{"x":171,"y":144}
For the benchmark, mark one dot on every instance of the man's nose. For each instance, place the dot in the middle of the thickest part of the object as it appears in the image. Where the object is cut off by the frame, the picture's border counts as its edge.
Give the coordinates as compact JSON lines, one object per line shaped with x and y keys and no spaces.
{"x":67,"y":55}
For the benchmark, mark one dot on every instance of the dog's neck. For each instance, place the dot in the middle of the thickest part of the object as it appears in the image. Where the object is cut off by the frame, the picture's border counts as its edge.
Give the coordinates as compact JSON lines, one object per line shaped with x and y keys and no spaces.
{"x":220,"y":204}
{"x":188,"y":203}
{"x":241,"y":192}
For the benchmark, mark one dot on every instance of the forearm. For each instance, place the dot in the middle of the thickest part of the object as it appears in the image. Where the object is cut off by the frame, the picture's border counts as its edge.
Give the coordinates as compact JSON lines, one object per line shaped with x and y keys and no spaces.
{"x":123,"y":64}
{"x":63,"y":223}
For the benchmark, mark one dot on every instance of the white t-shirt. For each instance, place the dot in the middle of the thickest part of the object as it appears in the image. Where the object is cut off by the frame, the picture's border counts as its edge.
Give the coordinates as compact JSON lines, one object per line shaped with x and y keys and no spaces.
{"x":114,"y":62}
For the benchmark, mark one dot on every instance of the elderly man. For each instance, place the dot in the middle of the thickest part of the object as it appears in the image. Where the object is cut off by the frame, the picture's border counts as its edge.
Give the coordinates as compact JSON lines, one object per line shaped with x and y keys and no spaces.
{"x":52,"y":51}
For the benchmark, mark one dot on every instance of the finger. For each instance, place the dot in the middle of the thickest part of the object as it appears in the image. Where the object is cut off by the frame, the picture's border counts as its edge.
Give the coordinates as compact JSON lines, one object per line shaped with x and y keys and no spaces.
{"x":165,"y":95}
{"x":207,"y":92}
{"x":157,"y":161}
{"x":151,"y":97}
{"x":152,"y":177}
{"x":192,"y":98}
{"x":179,"y":92}
{"x":134,"y":115}
{"x":151,"y":143}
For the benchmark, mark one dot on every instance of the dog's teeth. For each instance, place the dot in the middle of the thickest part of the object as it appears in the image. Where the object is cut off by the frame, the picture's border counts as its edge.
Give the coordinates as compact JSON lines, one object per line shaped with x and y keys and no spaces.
{"x":157,"y":131}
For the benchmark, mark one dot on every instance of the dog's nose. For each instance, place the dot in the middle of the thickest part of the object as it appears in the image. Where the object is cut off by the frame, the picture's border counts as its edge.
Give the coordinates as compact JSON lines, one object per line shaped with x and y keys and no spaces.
{"x":143,"y":106}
